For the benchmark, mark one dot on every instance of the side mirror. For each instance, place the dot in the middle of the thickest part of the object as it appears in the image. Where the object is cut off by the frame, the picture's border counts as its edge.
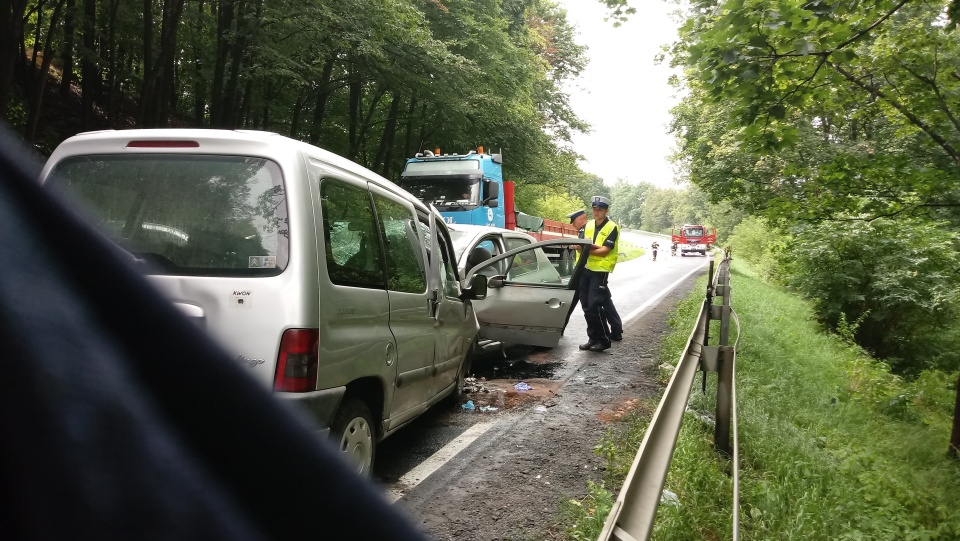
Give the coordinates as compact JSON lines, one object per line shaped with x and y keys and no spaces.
{"x":492,"y":199}
{"x":496,"y":281}
{"x":477,"y":289}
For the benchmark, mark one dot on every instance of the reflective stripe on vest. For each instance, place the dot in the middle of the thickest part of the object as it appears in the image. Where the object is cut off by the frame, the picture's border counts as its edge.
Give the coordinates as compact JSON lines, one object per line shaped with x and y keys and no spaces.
{"x":608,"y":262}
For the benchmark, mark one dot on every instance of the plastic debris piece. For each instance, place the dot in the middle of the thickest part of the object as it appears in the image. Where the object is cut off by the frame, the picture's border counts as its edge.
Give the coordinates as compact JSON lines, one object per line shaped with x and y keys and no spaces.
{"x":669,"y":498}
{"x":469,"y":405}
{"x":540,"y":409}
{"x":522,"y":386}
{"x":487,"y":409}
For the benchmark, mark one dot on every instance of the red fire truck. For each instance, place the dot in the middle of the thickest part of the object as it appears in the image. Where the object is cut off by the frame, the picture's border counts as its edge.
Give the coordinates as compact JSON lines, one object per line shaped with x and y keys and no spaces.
{"x":693,"y":239}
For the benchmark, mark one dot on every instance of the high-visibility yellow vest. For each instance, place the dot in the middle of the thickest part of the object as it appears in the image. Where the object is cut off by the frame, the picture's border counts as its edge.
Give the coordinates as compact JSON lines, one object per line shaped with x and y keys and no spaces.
{"x":602,"y":263}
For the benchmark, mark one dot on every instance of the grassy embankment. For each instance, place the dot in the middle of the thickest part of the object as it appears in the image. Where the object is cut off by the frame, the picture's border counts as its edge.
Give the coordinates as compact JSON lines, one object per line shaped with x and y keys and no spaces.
{"x":629,"y":251}
{"x":832,"y":445}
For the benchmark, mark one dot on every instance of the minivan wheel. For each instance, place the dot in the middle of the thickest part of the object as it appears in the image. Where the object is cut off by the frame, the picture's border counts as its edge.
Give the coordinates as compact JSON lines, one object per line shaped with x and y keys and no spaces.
{"x":353,"y":428}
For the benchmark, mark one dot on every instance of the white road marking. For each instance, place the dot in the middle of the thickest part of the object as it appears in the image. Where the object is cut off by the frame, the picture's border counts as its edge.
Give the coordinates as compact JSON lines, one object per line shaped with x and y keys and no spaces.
{"x":636,"y":312}
{"x":415,"y":476}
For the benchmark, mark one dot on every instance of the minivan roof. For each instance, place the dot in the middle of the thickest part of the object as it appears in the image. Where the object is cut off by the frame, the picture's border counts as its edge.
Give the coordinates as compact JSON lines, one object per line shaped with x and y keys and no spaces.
{"x":213,"y":141}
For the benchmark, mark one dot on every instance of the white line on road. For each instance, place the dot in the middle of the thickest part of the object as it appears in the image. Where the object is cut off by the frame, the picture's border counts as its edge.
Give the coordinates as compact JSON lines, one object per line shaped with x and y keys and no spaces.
{"x":636,"y":312}
{"x":438,"y":459}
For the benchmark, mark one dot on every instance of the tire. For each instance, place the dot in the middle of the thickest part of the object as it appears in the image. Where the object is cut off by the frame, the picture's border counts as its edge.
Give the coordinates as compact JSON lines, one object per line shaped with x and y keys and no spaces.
{"x":355,"y":433}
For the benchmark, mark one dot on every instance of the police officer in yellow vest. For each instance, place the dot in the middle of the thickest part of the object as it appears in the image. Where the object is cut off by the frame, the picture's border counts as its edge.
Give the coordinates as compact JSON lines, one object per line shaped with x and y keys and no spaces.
{"x":601,"y":261}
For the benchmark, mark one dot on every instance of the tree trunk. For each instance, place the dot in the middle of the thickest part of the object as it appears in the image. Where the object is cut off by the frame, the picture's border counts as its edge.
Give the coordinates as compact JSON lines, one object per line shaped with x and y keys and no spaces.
{"x":423,"y":126}
{"x":11,"y":39}
{"x":43,"y":74}
{"x":366,"y":122}
{"x":113,"y":65}
{"x":89,"y":71}
{"x":224,"y":28}
{"x":407,"y":139}
{"x":246,"y":103}
{"x":69,"y":36}
{"x":297,"y":111}
{"x":232,"y":95}
{"x":952,"y":452}
{"x":166,"y":61}
{"x":37,"y":32}
{"x":323,"y":92}
{"x":355,"y":87}
{"x":385,"y":152}
{"x":199,"y":88}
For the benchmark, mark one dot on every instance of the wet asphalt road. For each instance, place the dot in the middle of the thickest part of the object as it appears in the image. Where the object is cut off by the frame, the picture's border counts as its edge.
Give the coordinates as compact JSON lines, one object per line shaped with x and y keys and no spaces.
{"x":634,"y":285}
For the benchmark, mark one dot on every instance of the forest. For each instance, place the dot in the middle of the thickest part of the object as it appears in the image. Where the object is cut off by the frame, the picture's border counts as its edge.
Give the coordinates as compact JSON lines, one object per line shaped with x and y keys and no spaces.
{"x":372,"y":80}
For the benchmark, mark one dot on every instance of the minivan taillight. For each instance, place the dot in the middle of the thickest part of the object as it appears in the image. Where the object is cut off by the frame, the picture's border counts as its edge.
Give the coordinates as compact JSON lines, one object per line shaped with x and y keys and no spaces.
{"x":297,"y":361}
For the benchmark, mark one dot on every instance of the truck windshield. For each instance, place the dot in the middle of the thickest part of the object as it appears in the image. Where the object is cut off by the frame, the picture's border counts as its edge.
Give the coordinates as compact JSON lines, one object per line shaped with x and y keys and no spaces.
{"x":444,"y":193}
{"x":185,"y":215}
{"x":693,"y":232}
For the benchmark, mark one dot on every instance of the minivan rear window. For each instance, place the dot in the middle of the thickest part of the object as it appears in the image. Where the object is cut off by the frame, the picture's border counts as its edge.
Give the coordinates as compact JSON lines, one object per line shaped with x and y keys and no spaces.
{"x":192,"y":215}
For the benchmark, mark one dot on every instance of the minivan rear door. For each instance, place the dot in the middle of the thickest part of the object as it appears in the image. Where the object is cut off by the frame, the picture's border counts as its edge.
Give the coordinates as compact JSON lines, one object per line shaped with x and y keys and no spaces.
{"x":528,"y":298}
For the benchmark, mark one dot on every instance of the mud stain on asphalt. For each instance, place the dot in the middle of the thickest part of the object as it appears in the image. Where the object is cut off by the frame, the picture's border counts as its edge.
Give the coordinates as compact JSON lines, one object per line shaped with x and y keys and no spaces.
{"x":618,"y":412}
{"x":503,"y":395}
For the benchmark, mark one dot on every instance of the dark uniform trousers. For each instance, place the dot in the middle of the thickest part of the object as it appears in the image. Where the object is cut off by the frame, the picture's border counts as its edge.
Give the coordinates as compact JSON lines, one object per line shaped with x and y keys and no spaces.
{"x":594,"y":294}
{"x":611,"y":317}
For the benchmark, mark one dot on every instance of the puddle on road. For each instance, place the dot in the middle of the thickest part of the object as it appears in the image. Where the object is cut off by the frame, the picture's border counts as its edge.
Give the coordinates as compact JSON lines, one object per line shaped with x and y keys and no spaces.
{"x":494,"y":378}
{"x":516,"y":370}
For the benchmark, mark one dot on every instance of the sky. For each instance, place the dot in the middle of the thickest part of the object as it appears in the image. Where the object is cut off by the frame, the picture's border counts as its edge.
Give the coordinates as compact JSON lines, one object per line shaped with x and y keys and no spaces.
{"x":623,"y":94}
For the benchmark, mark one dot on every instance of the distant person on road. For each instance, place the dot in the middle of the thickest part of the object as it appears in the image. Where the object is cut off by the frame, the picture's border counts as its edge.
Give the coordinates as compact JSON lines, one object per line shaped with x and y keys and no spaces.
{"x":594,"y":293}
{"x":653,"y":248}
{"x":673,"y":249}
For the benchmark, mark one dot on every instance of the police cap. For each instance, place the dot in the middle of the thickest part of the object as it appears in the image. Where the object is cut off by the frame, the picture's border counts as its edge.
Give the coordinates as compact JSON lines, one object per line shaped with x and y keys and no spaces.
{"x":599,"y":201}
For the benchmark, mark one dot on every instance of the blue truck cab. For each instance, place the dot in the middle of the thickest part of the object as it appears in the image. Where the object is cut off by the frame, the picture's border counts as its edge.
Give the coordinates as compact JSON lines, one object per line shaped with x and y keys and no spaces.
{"x":465,"y":188}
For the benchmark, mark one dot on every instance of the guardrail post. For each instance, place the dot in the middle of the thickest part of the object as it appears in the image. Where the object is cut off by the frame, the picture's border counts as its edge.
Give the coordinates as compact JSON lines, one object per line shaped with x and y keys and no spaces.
{"x":721,"y":435}
{"x":711,"y":281}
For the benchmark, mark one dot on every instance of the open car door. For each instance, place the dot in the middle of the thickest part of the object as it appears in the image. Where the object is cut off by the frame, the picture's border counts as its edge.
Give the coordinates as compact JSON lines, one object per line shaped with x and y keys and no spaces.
{"x":528,"y":298}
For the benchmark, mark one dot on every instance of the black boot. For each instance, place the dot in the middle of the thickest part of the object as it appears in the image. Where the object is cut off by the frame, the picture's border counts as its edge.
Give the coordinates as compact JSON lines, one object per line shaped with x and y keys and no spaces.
{"x":600,"y":346}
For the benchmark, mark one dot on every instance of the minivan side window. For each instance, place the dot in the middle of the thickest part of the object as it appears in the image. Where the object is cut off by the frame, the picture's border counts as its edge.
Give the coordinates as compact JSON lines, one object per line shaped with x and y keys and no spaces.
{"x":404,"y":263}
{"x":352,"y":243}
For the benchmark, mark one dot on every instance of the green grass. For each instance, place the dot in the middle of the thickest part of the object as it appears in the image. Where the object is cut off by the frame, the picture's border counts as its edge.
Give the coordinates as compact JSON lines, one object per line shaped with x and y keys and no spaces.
{"x":832,"y":445}
{"x":629,"y":251}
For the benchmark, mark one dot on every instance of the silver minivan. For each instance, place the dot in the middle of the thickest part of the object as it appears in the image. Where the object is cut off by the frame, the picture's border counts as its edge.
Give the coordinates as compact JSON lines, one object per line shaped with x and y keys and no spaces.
{"x":324,"y":280}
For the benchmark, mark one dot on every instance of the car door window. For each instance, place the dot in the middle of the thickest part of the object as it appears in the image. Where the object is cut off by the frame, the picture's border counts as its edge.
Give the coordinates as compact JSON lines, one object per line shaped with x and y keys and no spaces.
{"x":483,"y":250}
{"x":533,"y":267}
{"x":405,"y":267}
{"x":514,"y":242}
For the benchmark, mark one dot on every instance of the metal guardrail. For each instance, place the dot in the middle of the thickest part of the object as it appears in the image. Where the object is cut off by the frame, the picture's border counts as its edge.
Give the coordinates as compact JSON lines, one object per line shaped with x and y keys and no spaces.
{"x":635,"y":508}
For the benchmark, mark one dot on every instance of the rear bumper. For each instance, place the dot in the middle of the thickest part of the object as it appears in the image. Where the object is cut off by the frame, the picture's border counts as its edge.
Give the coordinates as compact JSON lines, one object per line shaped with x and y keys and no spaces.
{"x":321,"y":405}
